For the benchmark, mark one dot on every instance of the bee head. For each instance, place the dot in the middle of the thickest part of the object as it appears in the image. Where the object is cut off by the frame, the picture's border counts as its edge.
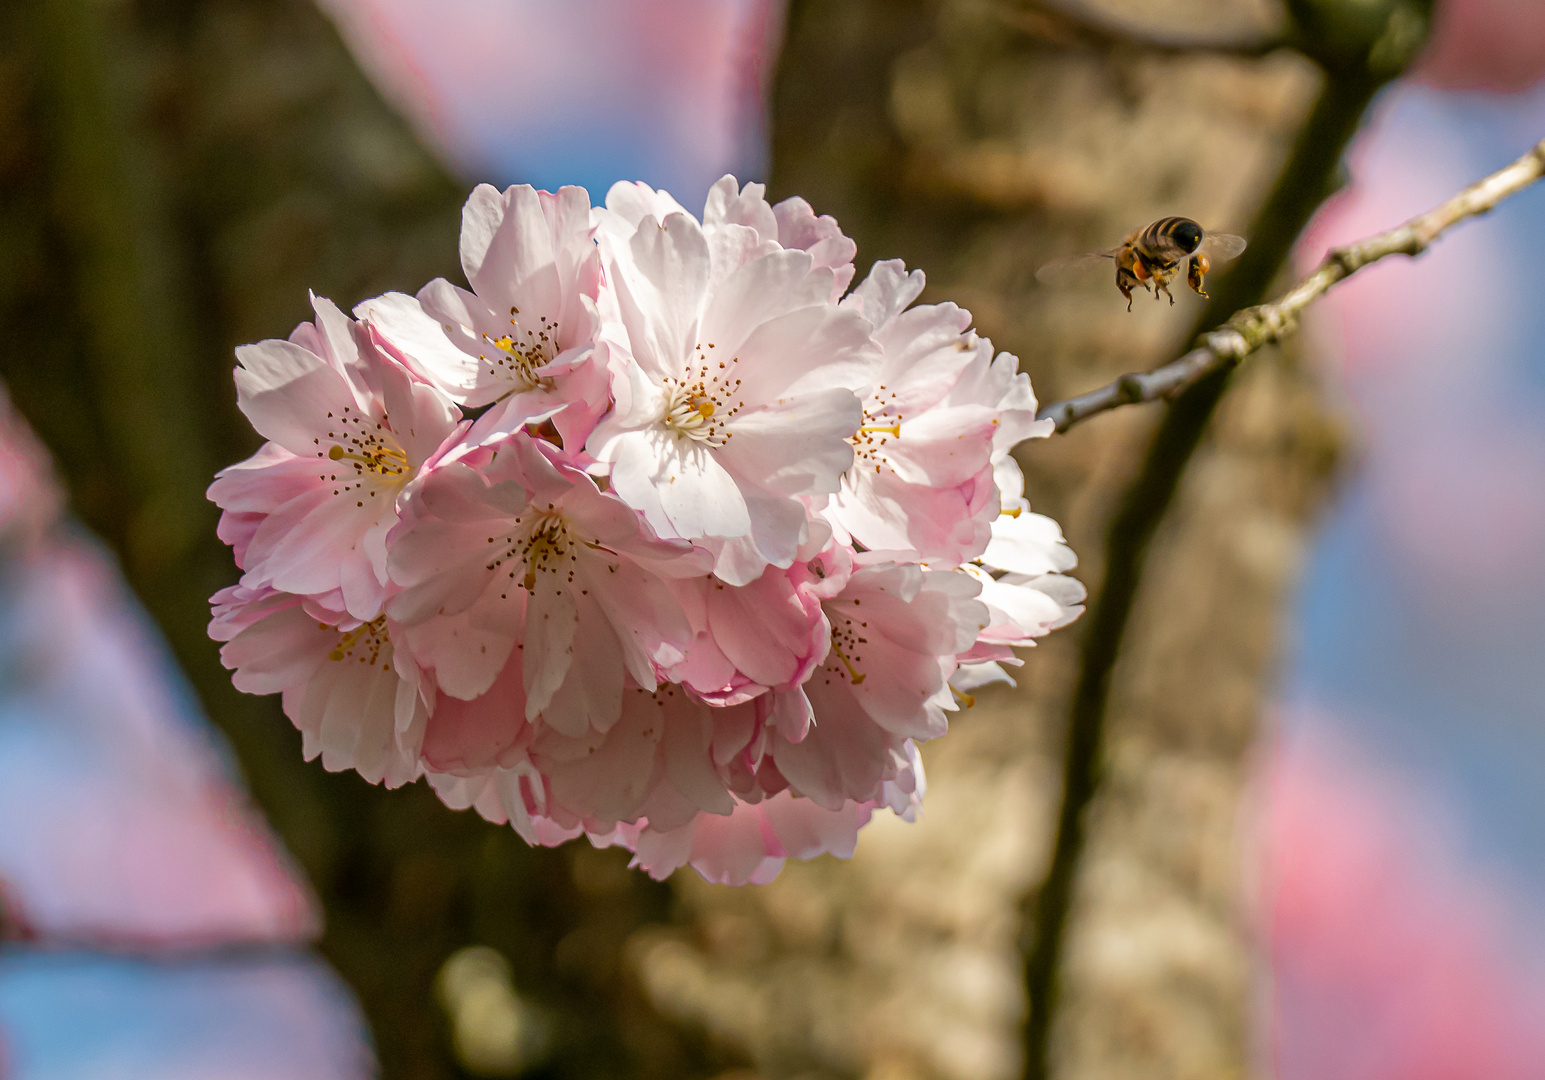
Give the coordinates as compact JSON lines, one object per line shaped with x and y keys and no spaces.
{"x":1188,"y":234}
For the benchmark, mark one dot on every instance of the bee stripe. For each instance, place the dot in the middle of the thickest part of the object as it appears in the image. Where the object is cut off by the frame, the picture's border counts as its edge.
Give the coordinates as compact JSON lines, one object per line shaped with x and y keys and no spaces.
{"x":1156,"y":243}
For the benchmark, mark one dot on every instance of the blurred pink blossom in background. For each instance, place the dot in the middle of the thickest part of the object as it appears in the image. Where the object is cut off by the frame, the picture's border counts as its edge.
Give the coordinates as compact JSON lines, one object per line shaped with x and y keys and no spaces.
{"x":584,"y":92}
{"x":122,"y":822}
{"x":1391,"y":953}
{"x":1428,"y":349}
{"x":1404,"y":874}
{"x":126,"y":833}
{"x":1486,"y":45}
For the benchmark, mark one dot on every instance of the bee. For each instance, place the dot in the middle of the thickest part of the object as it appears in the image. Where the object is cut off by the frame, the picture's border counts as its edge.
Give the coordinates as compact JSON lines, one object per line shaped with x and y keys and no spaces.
{"x":1155,"y":254}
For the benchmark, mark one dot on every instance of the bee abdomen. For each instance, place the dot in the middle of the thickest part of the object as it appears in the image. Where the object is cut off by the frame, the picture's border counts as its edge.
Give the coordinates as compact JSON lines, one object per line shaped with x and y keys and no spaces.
{"x":1170,"y":237}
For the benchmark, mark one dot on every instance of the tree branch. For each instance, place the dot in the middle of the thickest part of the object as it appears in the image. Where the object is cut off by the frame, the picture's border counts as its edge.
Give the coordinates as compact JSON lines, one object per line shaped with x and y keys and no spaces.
{"x":1068,"y":22}
{"x":1304,"y":182}
{"x":1254,"y":328}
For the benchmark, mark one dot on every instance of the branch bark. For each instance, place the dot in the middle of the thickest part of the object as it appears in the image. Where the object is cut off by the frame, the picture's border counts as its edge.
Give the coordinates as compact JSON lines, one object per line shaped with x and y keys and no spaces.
{"x":1068,"y":22}
{"x":1254,"y":328}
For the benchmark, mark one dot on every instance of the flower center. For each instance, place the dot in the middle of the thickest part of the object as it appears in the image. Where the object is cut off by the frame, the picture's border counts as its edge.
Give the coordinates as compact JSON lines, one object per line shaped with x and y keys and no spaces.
{"x":545,"y":549}
{"x":880,"y":426}
{"x":367,"y":457}
{"x":847,"y":641}
{"x":539,"y":542}
{"x":700,"y":404}
{"x":365,"y":643}
{"x":690,"y":415}
{"x":379,"y":458}
{"x":523,"y":352}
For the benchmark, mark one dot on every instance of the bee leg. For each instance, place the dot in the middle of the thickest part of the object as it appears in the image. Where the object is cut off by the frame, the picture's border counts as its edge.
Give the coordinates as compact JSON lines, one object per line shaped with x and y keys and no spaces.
{"x":1196,"y":274}
{"x":1125,"y":279}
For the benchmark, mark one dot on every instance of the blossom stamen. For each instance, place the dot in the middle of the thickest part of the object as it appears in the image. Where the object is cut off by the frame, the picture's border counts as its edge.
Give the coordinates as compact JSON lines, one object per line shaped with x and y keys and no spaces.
{"x":700,"y":404}
{"x":543,"y":550}
{"x":845,"y":639}
{"x":521,"y":362}
{"x":853,"y":673}
{"x":375,"y":639}
{"x":375,"y":456}
{"x":546,"y":545}
{"x":869,"y":440}
{"x":691,"y":415}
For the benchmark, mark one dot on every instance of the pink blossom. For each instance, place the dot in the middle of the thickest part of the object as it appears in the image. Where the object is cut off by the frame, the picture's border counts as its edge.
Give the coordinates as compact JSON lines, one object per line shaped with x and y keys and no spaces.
{"x":1023,"y":542}
{"x":1032,"y":595}
{"x":770,"y":539}
{"x":1024,"y":586}
{"x":791,"y":224}
{"x":895,"y":633}
{"x":357,"y":705}
{"x":667,"y":756}
{"x":678,"y":783}
{"x":941,"y":411}
{"x":751,"y":845}
{"x":1023,"y":607}
{"x":515,"y":546}
{"x":348,"y":429}
{"x":523,"y":340}
{"x":733,"y":376}
{"x":769,"y":634}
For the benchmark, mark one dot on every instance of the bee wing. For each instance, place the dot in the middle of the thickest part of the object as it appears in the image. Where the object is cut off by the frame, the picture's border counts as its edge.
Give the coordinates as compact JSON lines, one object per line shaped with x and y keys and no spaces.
{"x":1072,"y":267}
{"x":1221,"y":247}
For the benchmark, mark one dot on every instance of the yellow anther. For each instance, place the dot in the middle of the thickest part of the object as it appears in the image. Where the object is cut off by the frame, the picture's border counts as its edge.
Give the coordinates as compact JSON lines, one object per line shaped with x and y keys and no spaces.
{"x":378,"y":458}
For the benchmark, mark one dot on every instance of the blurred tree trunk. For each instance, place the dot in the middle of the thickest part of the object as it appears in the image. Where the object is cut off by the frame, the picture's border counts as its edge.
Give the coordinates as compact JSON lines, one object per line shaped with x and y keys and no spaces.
{"x":174,"y":176}
{"x":977,"y":139}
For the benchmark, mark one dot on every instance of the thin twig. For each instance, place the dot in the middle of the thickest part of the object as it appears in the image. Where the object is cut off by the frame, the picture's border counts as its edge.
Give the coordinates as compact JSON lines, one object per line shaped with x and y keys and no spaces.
{"x":1254,"y":328}
{"x":1069,"y":22}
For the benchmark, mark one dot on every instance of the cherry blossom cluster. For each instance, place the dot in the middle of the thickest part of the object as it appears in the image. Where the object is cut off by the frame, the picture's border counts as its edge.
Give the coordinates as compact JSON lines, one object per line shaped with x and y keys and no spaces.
{"x":657,"y":534}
